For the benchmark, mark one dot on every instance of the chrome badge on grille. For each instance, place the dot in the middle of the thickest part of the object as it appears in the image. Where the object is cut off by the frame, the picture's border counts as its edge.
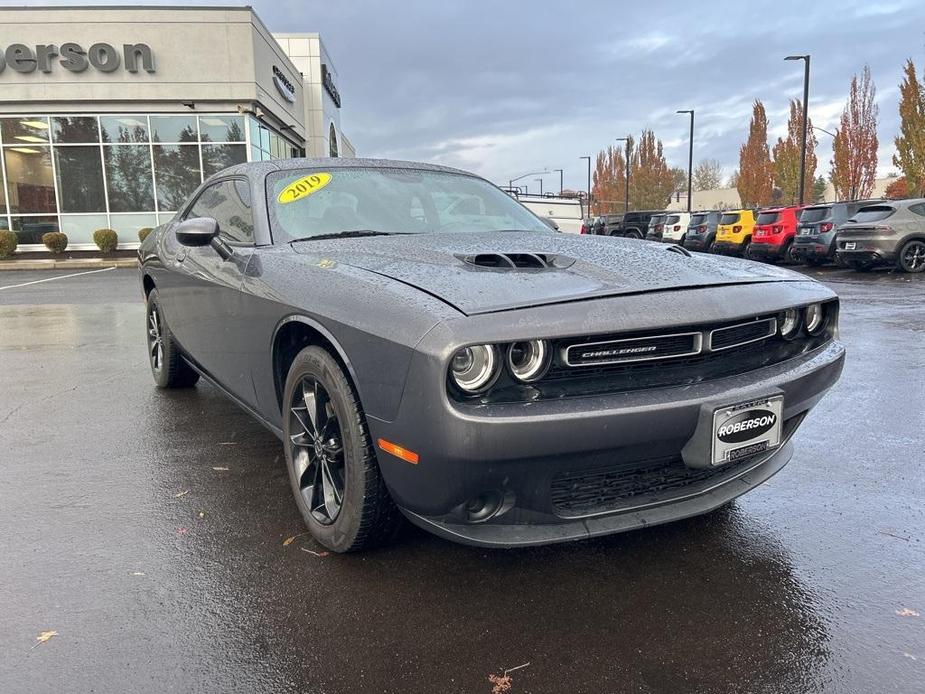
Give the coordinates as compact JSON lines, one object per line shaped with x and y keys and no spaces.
{"x":633,"y":349}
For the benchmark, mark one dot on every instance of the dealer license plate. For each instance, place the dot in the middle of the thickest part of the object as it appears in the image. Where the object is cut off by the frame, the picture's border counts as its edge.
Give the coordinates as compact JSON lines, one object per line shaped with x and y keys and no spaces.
{"x":746,"y":429}
{"x":850,"y":245}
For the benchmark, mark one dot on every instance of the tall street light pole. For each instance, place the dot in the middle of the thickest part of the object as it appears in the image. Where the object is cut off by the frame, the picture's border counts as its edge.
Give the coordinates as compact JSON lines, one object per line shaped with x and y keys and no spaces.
{"x":561,"y":174}
{"x":690,"y":162}
{"x":510,"y":183}
{"x":805,"y":59}
{"x":540,"y":180}
{"x":589,"y":183}
{"x":626,"y":166}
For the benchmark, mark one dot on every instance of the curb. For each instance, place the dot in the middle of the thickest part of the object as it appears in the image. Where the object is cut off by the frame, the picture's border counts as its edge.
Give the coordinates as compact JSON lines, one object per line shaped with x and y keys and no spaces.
{"x":72,"y":264}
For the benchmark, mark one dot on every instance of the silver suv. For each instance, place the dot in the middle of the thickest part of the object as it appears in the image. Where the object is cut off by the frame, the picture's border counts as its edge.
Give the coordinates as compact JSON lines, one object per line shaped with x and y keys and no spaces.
{"x":886,"y":232}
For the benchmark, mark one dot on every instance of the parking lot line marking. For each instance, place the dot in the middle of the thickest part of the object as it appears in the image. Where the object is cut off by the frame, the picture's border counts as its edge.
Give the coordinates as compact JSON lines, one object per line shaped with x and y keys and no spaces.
{"x":59,"y":277}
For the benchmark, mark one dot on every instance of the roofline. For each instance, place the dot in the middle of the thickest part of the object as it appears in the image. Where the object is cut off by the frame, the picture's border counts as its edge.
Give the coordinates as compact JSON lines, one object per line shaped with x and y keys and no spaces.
{"x":173,"y":8}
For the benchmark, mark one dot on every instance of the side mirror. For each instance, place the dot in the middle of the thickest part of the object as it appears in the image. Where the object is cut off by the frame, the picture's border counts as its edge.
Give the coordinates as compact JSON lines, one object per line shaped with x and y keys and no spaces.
{"x":198,"y":231}
{"x":203,"y":231}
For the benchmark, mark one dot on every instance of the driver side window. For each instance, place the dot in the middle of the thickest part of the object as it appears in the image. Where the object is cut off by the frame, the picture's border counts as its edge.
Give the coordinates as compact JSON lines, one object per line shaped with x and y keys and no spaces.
{"x":228,"y":203}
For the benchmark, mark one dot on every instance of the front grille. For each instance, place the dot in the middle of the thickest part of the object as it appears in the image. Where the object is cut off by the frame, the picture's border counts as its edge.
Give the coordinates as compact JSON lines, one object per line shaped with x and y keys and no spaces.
{"x":742,"y":334}
{"x":632,"y":349}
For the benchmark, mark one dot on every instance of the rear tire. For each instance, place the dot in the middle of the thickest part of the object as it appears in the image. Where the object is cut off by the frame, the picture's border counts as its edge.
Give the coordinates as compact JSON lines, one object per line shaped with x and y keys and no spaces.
{"x":167,"y":365}
{"x":911,"y":257}
{"x":633,"y":234}
{"x":788,"y":256}
{"x":332,"y":465}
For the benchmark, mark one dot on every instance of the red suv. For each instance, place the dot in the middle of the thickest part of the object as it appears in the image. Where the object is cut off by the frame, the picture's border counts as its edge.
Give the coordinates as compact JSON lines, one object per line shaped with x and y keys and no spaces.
{"x":775,"y":229}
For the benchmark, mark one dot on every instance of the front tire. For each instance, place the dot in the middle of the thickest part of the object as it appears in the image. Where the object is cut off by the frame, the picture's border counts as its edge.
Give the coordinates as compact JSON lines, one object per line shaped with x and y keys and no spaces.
{"x":332,"y":465}
{"x":167,"y":366}
{"x":633,"y":234}
{"x":912,"y":256}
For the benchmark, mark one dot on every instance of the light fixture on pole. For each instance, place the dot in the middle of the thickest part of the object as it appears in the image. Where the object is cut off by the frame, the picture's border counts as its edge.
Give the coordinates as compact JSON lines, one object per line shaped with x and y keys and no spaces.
{"x":510,"y":183}
{"x":805,"y":59}
{"x":690,"y":162}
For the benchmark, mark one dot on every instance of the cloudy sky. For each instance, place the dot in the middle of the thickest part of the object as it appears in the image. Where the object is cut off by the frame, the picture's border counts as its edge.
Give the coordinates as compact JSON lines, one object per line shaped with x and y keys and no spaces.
{"x":503,"y":88}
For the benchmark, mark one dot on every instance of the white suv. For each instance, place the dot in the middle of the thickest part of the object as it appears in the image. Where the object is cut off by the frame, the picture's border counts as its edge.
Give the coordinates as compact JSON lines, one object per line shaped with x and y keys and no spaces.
{"x":669,"y":227}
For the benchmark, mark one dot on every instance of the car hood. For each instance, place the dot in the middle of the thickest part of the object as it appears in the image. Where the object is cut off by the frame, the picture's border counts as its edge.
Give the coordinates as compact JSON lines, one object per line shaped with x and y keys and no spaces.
{"x":577,"y":267}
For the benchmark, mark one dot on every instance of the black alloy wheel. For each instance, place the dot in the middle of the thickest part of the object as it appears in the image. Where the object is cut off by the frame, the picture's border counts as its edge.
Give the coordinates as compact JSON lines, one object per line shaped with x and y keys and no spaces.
{"x":167,"y":366}
{"x":912,"y":256}
{"x":788,"y":255}
{"x":317,"y":450}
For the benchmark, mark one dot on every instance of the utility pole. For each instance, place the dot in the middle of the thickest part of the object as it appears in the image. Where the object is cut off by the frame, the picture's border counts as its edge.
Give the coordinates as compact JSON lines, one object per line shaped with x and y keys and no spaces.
{"x":690,"y":162}
{"x":590,"y":200}
{"x":626,"y":197}
{"x":540,"y":180}
{"x":805,"y":59}
{"x":560,"y":179}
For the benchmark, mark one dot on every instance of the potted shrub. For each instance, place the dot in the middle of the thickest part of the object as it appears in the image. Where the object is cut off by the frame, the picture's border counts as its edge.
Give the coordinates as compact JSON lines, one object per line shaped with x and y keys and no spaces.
{"x":143,"y":233}
{"x":106,"y":240}
{"x":55,"y":241}
{"x":7,"y":243}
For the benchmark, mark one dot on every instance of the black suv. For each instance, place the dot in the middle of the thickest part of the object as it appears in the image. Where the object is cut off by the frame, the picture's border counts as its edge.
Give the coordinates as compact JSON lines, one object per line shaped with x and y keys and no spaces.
{"x":701,"y":232}
{"x":632,"y":225}
{"x":606,"y":223}
{"x":814,"y":243}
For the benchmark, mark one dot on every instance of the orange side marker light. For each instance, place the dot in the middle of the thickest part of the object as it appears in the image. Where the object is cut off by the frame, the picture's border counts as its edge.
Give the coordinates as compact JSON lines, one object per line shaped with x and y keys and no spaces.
{"x":398,"y":451}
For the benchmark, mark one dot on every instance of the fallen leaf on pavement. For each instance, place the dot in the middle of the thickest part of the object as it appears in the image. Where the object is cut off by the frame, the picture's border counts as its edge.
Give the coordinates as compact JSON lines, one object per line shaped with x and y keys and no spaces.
{"x":181,"y":531}
{"x":906,"y":612}
{"x":909,"y":655}
{"x":502,"y":683}
{"x":44,"y":636}
{"x":138,"y":573}
{"x":314,"y":553}
{"x":183,"y":493}
{"x":202,"y":514}
{"x":289,"y":540}
{"x":221,"y":469}
{"x":227,"y":443}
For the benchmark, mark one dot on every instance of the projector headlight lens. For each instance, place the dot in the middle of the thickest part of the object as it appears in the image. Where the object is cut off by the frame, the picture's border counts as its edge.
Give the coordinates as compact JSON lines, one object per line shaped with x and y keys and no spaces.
{"x":815,"y":319}
{"x":475,"y":368}
{"x":790,"y":324}
{"x":528,"y":360}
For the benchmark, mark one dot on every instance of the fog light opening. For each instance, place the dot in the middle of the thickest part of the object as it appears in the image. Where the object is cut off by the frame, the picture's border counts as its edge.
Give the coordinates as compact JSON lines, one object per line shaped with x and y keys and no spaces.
{"x":484,"y":506}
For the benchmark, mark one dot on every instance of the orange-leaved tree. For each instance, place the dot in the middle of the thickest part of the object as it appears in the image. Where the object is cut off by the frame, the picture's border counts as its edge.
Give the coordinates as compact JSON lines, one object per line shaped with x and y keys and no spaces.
{"x":854,"y":150}
{"x":756,"y":172}
{"x":609,"y":181}
{"x":910,"y":143}
{"x":898,"y":189}
{"x":787,"y":158}
{"x":651,"y":181}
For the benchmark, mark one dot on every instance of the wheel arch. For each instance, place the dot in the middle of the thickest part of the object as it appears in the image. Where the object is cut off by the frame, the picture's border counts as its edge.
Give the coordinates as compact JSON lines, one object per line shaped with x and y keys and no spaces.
{"x":147,"y":282}
{"x":293,"y":334}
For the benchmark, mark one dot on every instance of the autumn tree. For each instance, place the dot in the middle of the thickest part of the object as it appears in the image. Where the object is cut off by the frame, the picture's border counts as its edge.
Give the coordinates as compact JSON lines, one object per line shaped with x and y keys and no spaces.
{"x":708,"y":175}
{"x":756,"y":172}
{"x":733,"y":181}
{"x":819,"y":186}
{"x":609,"y":181}
{"x":854,"y":150}
{"x":787,"y":157}
{"x":910,"y":143}
{"x":898,"y":189}
{"x":651,"y":181}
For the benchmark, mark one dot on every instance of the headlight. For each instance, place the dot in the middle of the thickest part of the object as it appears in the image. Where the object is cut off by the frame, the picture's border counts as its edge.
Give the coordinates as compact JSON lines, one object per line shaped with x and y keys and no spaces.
{"x":475,"y":368}
{"x":814,"y":315}
{"x":790,"y":324}
{"x":528,"y":360}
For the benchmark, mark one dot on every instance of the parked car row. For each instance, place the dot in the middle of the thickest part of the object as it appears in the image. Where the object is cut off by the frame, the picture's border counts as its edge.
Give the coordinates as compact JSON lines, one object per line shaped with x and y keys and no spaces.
{"x":860,"y":234}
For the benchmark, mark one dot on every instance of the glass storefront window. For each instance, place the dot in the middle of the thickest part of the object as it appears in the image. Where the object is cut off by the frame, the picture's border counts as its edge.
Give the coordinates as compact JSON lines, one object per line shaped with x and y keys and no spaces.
{"x":218,"y":157}
{"x":127,"y":225}
{"x":80,"y":227}
{"x":177,"y":173}
{"x":128,"y":177}
{"x":25,"y":129}
{"x":80,"y":179}
{"x":221,"y":128}
{"x":74,"y":129}
{"x":174,"y":129}
{"x":123,"y":129}
{"x":30,"y":229}
{"x":30,"y":184}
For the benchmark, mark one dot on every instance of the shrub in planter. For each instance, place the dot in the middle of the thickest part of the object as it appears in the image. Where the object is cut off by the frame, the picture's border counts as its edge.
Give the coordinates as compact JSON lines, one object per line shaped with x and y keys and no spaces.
{"x":106,"y":240}
{"x":7,"y":243}
{"x":143,"y":233}
{"x":55,"y":241}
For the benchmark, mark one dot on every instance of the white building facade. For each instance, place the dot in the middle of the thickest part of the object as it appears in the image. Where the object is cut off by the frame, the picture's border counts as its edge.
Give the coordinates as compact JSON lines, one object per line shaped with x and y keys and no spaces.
{"x":111,"y":116}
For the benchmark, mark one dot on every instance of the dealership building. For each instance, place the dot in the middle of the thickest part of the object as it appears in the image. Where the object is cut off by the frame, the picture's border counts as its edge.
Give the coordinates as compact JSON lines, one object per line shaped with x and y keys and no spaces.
{"x":111,"y":116}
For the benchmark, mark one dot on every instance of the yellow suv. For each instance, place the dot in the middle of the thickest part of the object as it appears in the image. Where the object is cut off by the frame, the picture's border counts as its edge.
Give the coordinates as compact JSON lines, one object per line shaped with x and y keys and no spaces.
{"x":734,"y":232}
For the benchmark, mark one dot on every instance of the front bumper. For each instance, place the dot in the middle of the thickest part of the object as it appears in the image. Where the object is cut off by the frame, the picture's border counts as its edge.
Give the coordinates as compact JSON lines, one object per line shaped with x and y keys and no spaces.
{"x":520,"y":451}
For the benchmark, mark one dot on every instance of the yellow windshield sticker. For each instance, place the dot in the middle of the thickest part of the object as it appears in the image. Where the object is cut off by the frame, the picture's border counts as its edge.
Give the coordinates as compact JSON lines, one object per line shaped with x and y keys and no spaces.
{"x":304,"y":187}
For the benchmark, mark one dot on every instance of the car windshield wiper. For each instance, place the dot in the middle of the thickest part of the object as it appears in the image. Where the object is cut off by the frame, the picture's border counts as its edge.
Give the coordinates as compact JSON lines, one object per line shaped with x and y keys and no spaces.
{"x":353,"y":234}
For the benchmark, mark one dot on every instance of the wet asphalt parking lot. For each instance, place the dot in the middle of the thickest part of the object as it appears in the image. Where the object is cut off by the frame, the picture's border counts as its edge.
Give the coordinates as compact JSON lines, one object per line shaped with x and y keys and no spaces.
{"x":148,"y":530}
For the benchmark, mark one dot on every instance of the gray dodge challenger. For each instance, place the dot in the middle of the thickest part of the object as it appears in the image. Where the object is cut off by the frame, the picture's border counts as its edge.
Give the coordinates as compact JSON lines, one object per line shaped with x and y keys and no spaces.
{"x":427,"y":348}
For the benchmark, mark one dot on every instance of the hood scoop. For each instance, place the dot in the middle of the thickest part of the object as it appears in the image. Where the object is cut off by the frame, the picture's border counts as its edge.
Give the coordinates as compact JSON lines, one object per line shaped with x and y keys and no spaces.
{"x":517,"y":261}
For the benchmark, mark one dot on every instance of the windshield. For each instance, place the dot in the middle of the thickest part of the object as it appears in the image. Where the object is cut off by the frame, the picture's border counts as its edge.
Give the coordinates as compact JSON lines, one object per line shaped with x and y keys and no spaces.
{"x":730,"y":218}
{"x":313,"y":202}
{"x":873,"y":213}
{"x":811,"y":215}
{"x":767,"y":217}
